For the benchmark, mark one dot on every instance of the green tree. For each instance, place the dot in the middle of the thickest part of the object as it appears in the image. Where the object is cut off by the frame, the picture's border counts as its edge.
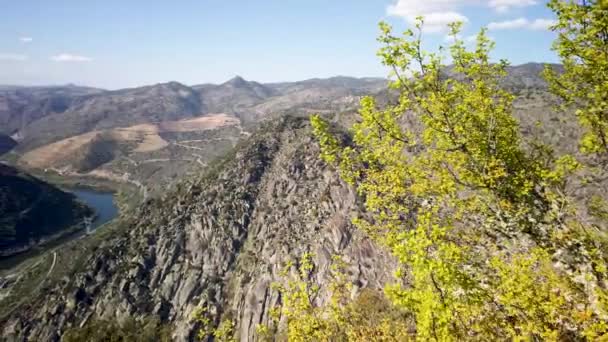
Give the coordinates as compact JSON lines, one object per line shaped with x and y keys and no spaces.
{"x":582,"y":46}
{"x":476,"y":221}
{"x":130,"y":330}
{"x":209,"y":330}
{"x":370,"y":317}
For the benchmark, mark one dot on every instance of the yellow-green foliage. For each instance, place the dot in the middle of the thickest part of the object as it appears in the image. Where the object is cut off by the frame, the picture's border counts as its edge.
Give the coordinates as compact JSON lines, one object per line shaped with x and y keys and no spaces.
{"x":130,"y":330}
{"x":582,"y":29}
{"x":223,"y":332}
{"x":479,"y":224}
{"x":598,"y":207}
{"x":370,"y":317}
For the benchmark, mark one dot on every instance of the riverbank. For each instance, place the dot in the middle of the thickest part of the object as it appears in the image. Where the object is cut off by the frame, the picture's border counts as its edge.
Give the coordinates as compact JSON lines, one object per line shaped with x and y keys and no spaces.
{"x":17,"y":257}
{"x":126,"y":194}
{"x":29,"y":272}
{"x":25,"y":274}
{"x":102,"y":203}
{"x":52,"y":266}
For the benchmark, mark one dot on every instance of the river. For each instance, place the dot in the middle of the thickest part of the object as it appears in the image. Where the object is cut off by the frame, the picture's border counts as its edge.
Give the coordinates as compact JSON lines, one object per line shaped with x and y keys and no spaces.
{"x":101,"y":202}
{"x":105,"y":210}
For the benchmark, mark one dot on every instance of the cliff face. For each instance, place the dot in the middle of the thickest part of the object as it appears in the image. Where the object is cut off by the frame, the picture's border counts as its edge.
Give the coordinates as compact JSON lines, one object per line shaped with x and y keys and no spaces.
{"x":218,"y":241}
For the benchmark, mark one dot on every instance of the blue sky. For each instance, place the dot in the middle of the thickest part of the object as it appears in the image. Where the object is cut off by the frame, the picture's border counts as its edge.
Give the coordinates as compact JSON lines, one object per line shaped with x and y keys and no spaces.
{"x":114,"y":44}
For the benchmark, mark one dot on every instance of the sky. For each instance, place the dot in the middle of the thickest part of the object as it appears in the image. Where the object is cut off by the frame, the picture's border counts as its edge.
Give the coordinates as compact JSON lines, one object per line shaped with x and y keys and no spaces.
{"x":126,"y":43}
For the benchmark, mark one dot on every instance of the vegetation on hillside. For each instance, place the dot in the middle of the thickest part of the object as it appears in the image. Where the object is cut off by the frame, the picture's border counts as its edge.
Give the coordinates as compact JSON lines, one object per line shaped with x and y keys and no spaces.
{"x":148,"y":330}
{"x":490,"y":242}
{"x":582,"y":45}
{"x":31,"y":210}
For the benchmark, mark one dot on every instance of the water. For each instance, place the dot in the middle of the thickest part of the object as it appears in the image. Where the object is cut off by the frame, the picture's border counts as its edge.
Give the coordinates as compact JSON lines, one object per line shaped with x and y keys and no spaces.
{"x":101,"y":202}
{"x":105,"y":210}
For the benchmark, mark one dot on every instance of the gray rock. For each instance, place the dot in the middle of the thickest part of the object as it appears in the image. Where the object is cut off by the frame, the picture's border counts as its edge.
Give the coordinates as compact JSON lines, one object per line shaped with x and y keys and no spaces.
{"x":221,"y":244}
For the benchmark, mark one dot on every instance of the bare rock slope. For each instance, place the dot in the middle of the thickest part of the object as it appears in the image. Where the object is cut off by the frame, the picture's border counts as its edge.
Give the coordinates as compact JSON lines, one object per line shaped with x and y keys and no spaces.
{"x":218,"y":241}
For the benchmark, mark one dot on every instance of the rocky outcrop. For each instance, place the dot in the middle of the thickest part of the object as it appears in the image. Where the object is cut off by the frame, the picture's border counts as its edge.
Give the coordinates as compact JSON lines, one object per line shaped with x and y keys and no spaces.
{"x":217,"y":241}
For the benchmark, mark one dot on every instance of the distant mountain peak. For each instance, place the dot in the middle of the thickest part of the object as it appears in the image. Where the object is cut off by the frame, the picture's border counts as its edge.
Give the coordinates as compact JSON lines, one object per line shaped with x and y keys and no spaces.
{"x":174,"y":85}
{"x":237,"y":81}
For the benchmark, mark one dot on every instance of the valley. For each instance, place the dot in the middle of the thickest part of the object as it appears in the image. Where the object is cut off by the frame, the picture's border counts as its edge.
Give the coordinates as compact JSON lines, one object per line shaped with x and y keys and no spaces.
{"x":147,"y":137}
{"x":23,"y":268}
{"x":390,"y":171}
{"x":139,"y":159}
{"x":218,"y":187}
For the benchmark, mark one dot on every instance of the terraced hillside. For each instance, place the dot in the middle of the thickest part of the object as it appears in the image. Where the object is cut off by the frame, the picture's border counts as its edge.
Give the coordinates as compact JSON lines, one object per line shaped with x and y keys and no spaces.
{"x":149,"y":136}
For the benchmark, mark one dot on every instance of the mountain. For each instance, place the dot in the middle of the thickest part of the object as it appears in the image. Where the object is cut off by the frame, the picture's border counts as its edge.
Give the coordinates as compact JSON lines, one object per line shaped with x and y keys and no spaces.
{"x":150,"y":135}
{"x":20,"y":106}
{"x":32,"y":211}
{"x":234,"y":96}
{"x":37,"y":116}
{"x":357,"y":85}
{"x":336,"y":94}
{"x":529,"y":75}
{"x":219,"y":236}
{"x":217,"y":240}
{"x":121,"y":108}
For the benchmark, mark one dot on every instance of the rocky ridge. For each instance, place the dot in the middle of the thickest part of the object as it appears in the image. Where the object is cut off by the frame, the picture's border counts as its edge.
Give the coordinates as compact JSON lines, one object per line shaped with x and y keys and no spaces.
{"x":217,"y":241}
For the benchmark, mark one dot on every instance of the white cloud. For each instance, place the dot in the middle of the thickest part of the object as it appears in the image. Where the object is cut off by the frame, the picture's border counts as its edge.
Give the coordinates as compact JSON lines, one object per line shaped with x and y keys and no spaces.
{"x":68,"y":57}
{"x":542,"y":24}
{"x":470,"y":39}
{"x":506,"y":5}
{"x":508,"y":24}
{"x":438,"y":21}
{"x":450,"y":39}
{"x":12,"y":57}
{"x":437,"y":13}
{"x":26,"y":40}
{"x":521,"y":23}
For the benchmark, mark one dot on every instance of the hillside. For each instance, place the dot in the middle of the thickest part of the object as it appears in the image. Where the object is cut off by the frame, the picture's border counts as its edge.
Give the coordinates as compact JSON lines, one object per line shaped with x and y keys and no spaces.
{"x":150,"y":135}
{"x":32,"y":211}
{"x":39,"y":116}
{"x":220,"y":237}
{"x":218,"y":240}
{"x":153,"y":154}
{"x":21,"y":106}
{"x":121,"y":108}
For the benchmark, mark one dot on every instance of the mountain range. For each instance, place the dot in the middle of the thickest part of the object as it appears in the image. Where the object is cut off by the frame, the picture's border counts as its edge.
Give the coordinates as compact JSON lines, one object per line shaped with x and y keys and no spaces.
{"x":244,"y":194}
{"x":153,"y":133}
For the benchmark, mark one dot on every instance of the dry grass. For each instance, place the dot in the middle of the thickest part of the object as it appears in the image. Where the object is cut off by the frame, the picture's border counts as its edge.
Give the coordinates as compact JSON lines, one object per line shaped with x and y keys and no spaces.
{"x":145,"y":135}
{"x":49,"y":155}
{"x":207,"y":122}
